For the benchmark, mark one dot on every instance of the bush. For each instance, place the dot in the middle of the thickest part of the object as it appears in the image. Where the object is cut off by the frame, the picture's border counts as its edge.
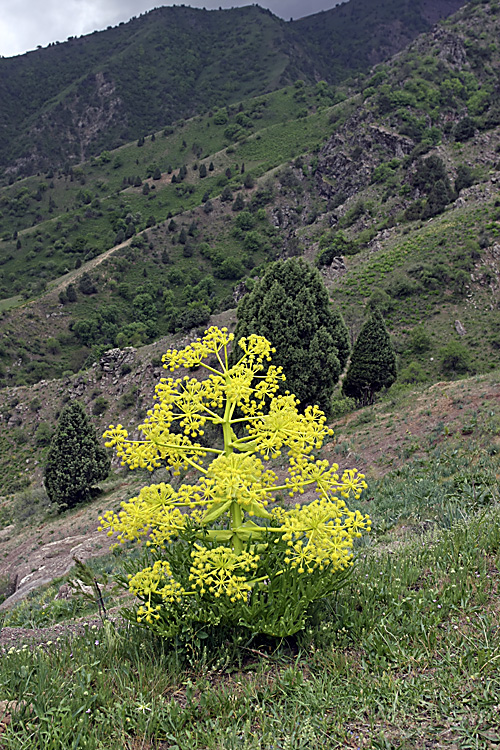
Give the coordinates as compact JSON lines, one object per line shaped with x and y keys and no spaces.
{"x":464,"y":129}
{"x":342,"y":405}
{"x":465,"y":178}
{"x":373,"y":362}
{"x":43,"y":435}
{"x":235,"y":566}
{"x":334,"y":246}
{"x":454,"y":359}
{"x":420,"y":341}
{"x":75,"y":461}
{"x":85,"y":285}
{"x":99,"y":406}
{"x":414,"y":373}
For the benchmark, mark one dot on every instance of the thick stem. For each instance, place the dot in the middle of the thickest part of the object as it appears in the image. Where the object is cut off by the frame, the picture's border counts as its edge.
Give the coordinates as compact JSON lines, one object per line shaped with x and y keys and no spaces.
{"x":235,"y":514}
{"x":226,"y":428}
{"x":236,"y":520}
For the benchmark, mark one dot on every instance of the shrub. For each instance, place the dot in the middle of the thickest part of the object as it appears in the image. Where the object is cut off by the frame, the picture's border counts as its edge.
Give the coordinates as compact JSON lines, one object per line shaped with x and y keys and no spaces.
{"x":373,"y":361}
{"x":420,"y":341}
{"x":464,"y":129}
{"x":290,"y":305}
{"x":465,"y":177}
{"x":99,"y":406}
{"x":43,"y":435}
{"x":454,"y":359}
{"x":85,"y":285}
{"x":414,"y":373}
{"x":75,"y":461}
{"x":239,"y":562}
{"x":335,"y":246}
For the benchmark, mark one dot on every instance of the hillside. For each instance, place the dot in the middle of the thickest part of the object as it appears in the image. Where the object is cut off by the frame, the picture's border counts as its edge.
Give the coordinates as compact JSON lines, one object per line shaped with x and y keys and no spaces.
{"x":72,"y":100}
{"x":356,"y":35}
{"x":390,"y":188}
{"x":388,"y":185}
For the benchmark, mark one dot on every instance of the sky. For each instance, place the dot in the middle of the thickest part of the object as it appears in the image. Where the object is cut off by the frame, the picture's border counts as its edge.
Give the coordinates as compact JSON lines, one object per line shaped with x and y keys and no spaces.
{"x":25,"y":24}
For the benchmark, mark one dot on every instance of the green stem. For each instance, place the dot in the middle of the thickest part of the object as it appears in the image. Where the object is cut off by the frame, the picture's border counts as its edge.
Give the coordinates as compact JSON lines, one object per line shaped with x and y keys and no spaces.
{"x":235,"y":514}
{"x":236,"y":521}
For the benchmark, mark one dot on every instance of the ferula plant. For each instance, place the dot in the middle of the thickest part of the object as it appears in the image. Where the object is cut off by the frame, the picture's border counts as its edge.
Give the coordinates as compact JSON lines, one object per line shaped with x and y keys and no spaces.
{"x":222,"y":550}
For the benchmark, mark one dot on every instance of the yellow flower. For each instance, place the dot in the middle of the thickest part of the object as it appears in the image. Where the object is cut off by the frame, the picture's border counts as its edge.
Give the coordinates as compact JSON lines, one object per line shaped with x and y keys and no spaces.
{"x":221,"y":571}
{"x":159,"y":581}
{"x":241,"y":401}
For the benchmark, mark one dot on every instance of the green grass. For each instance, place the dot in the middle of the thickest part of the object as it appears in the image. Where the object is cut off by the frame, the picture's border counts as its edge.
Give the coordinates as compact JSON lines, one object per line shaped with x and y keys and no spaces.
{"x":7,"y":304}
{"x":407,"y":655}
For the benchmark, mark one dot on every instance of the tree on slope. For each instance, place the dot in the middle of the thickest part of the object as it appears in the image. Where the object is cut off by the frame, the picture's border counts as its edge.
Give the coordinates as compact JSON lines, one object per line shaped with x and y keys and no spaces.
{"x":291,"y":308}
{"x":373,"y":361}
{"x":75,"y":460}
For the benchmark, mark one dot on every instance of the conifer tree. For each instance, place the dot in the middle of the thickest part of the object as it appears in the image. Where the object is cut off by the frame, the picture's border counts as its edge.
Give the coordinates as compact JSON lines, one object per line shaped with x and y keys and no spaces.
{"x":291,"y":308}
{"x":75,"y":460}
{"x":373,"y":361}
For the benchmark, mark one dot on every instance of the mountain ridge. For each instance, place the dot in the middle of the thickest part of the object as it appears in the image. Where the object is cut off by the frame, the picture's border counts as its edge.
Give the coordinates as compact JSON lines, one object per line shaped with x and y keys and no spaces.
{"x":181,"y":59}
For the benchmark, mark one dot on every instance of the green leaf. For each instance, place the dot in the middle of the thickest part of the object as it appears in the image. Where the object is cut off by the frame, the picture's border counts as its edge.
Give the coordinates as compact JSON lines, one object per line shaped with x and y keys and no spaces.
{"x":224,"y":535}
{"x":247,"y":532}
{"x":216,"y":511}
{"x":258,"y":511}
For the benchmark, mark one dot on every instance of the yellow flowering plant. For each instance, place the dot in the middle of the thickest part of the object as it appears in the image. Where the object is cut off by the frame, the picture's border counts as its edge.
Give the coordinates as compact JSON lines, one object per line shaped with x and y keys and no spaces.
{"x":222,"y":550}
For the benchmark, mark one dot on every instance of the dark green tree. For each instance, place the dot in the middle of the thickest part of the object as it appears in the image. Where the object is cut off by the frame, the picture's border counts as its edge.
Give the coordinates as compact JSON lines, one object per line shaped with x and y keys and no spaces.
{"x":75,"y":461}
{"x":290,"y":307}
{"x":465,"y":129}
{"x":239,"y":203}
{"x":249,"y":181}
{"x":86,"y":285}
{"x":465,"y":177}
{"x":373,"y":361}
{"x":202,"y":171}
{"x":71,"y":293}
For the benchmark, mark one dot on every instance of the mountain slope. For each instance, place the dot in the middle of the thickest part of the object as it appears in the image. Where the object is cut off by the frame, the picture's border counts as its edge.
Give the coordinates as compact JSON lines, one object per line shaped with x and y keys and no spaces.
{"x":356,"y":35}
{"x":69,"y":101}
{"x":392,"y":192}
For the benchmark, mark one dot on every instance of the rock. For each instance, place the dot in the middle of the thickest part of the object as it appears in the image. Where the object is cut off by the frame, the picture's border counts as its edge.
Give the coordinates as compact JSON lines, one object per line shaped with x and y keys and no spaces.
{"x":451,"y":48}
{"x":459,"y":328}
{"x":347,"y":161}
{"x":114,"y":358}
{"x":239,"y":291}
{"x":6,"y":532}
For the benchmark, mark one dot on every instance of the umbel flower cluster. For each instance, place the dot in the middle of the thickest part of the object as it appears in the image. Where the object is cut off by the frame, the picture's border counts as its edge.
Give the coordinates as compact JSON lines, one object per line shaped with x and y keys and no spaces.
{"x":222,"y":548}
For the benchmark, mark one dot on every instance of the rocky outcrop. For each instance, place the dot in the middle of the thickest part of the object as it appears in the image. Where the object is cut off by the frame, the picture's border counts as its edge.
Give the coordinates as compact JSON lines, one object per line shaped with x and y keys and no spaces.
{"x":52,"y":560}
{"x":346,"y":162}
{"x":115,"y":358}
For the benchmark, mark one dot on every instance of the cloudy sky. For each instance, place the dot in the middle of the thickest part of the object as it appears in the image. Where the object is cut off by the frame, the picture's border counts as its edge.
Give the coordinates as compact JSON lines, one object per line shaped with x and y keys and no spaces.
{"x":24,"y":24}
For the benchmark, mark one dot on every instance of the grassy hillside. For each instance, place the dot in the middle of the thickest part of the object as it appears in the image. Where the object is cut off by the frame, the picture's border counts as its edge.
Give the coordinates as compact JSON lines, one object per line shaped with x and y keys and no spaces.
{"x":390,"y":191}
{"x":172,"y":63}
{"x":405,"y":654}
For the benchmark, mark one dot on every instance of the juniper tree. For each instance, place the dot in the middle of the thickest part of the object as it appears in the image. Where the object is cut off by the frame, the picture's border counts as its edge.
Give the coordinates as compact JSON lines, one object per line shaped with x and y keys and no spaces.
{"x":290,"y":307}
{"x":373,"y":361}
{"x":75,"y":461}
